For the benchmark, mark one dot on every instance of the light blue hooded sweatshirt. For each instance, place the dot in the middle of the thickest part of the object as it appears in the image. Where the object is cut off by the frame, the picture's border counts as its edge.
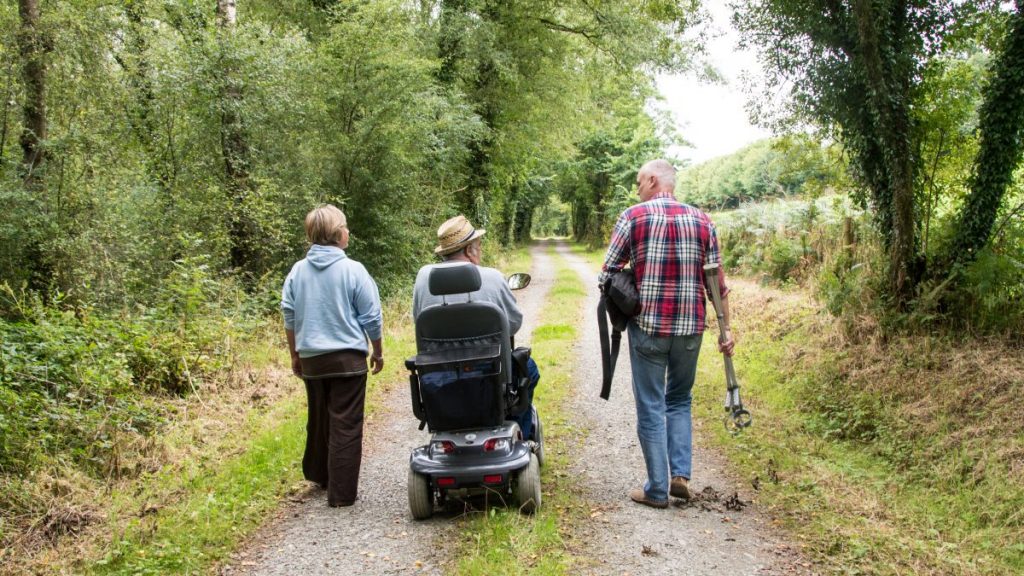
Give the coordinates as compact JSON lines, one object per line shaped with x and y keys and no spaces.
{"x":331,"y":303}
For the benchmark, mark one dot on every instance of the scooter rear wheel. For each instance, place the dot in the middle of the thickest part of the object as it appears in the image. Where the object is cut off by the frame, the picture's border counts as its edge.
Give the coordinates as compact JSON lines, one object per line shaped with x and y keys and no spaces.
{"x":528,"y":487}
{"x":421,"y":499}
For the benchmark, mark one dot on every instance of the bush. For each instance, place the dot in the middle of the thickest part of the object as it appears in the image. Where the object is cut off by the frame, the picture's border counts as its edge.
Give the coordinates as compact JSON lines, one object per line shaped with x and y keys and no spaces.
{"x":76,"y":384}
{"x":787,"y":241}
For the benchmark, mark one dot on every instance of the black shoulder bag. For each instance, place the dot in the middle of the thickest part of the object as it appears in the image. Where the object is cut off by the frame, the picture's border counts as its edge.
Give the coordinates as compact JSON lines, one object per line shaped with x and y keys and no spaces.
{"x":619,"y":302}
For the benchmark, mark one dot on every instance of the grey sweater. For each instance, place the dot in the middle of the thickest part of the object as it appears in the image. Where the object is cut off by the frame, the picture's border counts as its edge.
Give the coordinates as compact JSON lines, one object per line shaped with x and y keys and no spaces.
{"x":493,"y":288}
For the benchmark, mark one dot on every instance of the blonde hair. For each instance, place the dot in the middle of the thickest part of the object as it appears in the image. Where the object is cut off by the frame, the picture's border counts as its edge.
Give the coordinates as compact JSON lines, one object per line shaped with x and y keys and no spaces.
{"x":324,"y":224}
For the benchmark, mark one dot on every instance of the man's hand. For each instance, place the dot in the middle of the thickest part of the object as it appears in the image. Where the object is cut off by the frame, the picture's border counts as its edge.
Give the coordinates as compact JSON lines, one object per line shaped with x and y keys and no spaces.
{"x":726,"y":344}
{"x":296,"y":365}
{"x":376,"y":363}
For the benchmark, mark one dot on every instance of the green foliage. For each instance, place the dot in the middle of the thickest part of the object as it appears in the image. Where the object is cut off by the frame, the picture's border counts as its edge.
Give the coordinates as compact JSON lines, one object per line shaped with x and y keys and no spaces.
{"x":861,"y":71}
{"x":1001,"y":145}
{"x":600,"y":181}
{"x":786,"y":240}
{"x":79,"y":382}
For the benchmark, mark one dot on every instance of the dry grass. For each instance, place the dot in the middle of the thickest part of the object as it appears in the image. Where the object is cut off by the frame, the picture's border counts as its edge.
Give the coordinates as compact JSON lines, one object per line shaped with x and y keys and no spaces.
{"x":894,"y":456}
{"x":71,"y":515}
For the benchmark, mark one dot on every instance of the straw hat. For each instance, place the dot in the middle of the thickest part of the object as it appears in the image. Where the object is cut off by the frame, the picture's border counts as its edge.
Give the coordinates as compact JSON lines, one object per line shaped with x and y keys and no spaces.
{"x":455,"y":234}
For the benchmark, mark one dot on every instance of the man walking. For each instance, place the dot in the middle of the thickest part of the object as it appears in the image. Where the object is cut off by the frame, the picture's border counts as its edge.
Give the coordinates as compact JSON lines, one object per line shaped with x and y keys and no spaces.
{"x":668,"y":243}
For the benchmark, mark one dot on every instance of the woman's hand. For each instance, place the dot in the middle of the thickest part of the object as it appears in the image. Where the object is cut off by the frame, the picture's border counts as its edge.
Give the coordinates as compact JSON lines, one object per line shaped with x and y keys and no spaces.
{"x":296,"y":365}
{"x":376,"y":363}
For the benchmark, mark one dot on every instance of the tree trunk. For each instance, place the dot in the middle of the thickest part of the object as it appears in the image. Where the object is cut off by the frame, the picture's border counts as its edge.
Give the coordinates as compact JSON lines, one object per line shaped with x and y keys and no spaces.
{"x":136,"y":66}
{"x":33,"y":48}
{"x":449,"y":42}
{"x":888,"y":95}
{"x":235,"y":148}
{"x":8,"y":94}
{"x":1001,"y":143}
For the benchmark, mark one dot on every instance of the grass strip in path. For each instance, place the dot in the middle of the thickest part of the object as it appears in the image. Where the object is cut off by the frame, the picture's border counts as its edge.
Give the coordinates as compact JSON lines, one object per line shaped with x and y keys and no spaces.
{"x":501,"y":541}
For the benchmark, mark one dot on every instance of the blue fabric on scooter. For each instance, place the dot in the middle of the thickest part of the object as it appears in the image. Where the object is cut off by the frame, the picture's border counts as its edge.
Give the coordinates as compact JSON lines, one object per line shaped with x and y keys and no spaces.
{"x":462,"y":396}
{"x":525,"y":419}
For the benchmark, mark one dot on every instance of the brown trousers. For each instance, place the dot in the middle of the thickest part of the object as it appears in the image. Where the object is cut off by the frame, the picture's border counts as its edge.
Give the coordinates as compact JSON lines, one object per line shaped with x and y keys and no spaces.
{"x":334,"y":435}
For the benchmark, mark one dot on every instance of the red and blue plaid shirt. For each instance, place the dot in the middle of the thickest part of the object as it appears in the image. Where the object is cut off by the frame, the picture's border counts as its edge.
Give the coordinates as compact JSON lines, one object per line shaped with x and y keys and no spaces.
{"x":668,"y":244}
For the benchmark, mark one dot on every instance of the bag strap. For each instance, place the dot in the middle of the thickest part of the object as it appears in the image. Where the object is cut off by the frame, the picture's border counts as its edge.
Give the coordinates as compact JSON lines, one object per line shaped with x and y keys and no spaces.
{"x":609,"y":350}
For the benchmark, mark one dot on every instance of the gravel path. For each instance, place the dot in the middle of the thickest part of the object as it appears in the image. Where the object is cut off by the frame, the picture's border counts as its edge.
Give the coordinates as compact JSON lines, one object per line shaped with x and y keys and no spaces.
{"x":377,"y":535}
{"x":704,"y":537}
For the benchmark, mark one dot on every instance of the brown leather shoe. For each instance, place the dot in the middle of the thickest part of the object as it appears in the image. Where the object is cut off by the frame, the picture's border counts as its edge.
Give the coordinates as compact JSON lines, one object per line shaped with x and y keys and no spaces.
{"x":680,"y":488}
{"x":637,"y":495}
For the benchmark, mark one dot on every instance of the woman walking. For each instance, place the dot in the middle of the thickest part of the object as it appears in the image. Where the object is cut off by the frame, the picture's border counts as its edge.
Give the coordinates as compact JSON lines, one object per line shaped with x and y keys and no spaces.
{"x":331,"y":308}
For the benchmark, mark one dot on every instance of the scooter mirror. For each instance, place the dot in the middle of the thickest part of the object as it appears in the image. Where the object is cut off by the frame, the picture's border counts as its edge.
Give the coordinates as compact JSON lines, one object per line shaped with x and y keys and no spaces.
{"x":518,"y":281}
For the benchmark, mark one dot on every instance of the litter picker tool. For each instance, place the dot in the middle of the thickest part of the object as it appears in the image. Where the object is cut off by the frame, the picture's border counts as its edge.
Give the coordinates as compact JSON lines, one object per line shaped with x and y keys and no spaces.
{"x":737,"y":418}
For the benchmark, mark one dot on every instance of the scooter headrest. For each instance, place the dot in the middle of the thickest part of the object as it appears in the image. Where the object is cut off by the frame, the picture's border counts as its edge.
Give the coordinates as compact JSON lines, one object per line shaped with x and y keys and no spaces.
{"x":457,"y":279}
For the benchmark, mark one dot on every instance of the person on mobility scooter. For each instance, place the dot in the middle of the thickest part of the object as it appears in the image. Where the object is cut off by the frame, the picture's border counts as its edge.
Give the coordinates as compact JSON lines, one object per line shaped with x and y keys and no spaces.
{"x":468,"y":384}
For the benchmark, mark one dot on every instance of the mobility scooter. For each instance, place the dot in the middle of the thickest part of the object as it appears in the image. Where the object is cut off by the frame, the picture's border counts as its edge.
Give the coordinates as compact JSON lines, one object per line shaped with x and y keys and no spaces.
{"x":464,"y":391}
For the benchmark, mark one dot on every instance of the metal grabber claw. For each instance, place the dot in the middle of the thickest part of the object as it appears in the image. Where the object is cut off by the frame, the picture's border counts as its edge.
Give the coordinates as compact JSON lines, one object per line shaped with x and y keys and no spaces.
{"x":737,"y":418}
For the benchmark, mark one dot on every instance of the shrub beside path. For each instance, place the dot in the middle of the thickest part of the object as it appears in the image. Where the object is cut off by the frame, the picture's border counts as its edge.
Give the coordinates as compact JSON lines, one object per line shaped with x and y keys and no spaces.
{"x":719,"y":532}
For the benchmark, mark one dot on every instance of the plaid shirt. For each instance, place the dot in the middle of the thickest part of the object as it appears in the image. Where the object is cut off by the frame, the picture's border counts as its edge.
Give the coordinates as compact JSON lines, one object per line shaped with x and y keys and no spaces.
{"x":668,"y":243}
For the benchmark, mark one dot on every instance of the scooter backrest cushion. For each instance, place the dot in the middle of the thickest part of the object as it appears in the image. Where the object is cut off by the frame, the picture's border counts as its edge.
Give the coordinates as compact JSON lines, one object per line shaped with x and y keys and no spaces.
{"x":455,"y":279}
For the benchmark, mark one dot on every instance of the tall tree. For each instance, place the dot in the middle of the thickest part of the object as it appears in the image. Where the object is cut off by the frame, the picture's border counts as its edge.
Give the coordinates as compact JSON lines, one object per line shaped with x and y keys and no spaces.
{"x":235,"y":149}
{"x":855,"y":66}
{"x":135,"y":61}
{"x":34,"y":47}
{"x":1001,"y":135}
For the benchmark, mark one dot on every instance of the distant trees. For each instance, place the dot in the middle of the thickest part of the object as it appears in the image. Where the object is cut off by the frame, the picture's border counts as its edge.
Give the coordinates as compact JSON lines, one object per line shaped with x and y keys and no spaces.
{"x":769,"y":168}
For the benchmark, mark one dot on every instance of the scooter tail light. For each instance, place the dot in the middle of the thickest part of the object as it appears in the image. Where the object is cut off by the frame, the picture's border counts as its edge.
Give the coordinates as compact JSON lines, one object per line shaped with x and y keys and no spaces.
{"x":446,"y":481}
{"x":445,"y":446}
{"x":496,"y":444}
{"x":492,"y":479}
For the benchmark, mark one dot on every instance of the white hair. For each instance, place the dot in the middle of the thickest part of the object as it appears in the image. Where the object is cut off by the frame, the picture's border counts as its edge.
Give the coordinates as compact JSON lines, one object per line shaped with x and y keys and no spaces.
{"x":662,"y":171}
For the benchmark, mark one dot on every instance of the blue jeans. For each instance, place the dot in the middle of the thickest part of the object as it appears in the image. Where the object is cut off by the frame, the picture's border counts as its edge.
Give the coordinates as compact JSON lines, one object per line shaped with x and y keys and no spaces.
{"x":525,"y":419}
{"x":663,"y":404}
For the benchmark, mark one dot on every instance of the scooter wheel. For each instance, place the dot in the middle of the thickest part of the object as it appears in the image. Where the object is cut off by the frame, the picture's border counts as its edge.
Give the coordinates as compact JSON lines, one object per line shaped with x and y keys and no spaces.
{"x":421,"y":501}
{"x":528,"y":487}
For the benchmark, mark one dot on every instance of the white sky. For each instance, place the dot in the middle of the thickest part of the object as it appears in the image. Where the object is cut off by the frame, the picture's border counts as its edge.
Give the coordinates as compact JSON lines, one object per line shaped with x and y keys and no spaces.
{"x":712,"y":117}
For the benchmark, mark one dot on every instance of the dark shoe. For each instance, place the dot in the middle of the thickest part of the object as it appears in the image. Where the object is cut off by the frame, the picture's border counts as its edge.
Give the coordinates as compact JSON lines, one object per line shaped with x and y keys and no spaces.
{"x":341,"y":504}
{"x":680,"y":488}
{"x":637,"y":495}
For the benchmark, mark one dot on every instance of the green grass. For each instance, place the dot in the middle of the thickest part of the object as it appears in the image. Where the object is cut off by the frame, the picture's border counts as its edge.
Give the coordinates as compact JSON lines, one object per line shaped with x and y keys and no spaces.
{"x":501,"y":541}
{"x":220,"y":504}
{"x":222,"y":500}
{"x":864,"y":485}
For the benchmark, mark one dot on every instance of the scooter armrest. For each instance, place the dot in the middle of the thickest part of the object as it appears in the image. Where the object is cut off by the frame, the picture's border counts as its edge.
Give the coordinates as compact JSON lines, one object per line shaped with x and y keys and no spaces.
{"x":521,"y":356}
{"x":410,"y":364}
